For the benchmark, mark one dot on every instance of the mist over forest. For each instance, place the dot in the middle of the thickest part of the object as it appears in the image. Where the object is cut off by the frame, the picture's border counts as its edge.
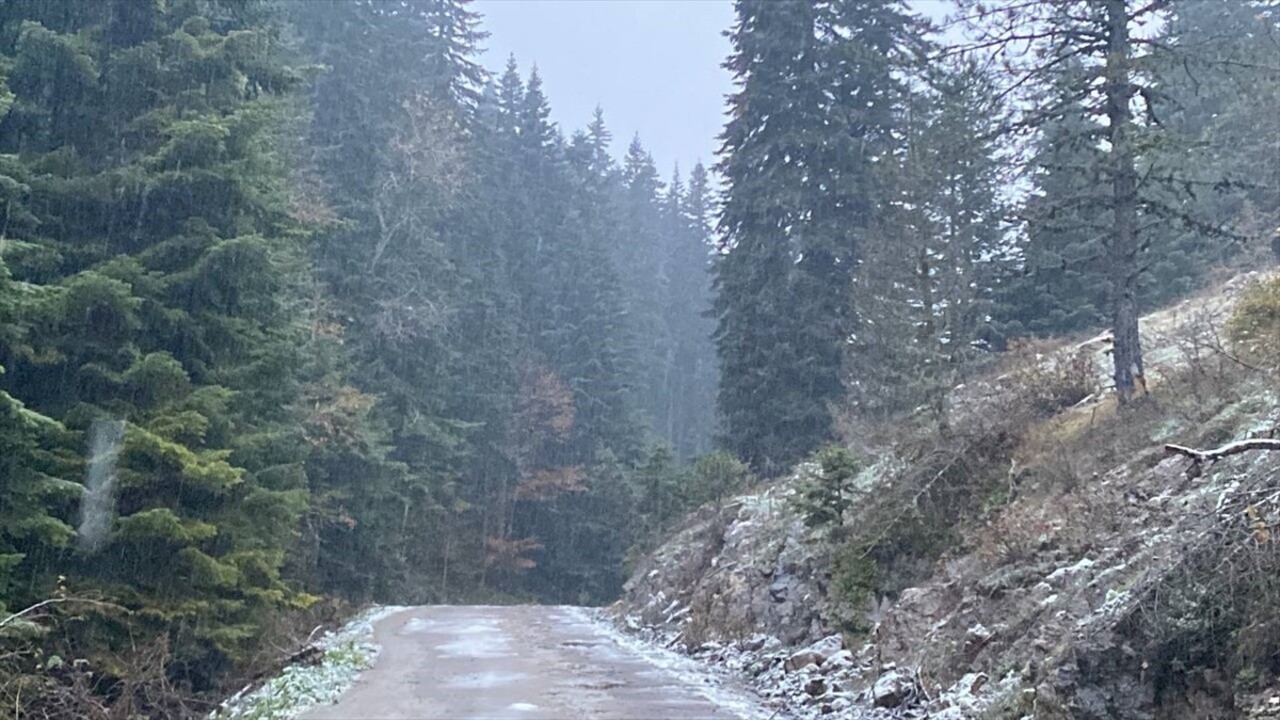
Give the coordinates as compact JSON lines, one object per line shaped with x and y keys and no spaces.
{"x":301,"y":309}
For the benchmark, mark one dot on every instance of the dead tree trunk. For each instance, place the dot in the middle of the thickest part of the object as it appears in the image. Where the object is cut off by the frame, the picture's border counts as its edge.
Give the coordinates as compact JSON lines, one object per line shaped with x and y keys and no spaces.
{"x":1123,"y":248}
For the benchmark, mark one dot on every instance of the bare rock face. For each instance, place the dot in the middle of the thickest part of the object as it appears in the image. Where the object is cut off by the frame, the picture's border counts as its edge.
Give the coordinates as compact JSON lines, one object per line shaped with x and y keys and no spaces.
{"x":733,"y":570}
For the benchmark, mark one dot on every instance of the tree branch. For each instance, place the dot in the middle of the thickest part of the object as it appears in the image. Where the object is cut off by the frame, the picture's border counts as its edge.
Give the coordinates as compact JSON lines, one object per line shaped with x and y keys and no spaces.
{"x":58,"y":601}
{"x":1235,"y":448}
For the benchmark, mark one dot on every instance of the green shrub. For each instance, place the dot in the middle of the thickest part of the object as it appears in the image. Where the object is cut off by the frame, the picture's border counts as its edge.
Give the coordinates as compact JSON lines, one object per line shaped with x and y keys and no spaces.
{"x":825,"y":495}
{"x":717,"y":475}
{"x":855,"y":582}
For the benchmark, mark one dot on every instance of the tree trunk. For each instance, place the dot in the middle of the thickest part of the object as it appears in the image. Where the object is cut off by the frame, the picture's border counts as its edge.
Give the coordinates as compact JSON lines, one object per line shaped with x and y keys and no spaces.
{"x":1122,"y":250}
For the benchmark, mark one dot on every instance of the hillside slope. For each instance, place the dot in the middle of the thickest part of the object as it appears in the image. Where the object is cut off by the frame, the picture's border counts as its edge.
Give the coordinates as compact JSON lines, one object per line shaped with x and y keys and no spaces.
{"x":1018,"y":562}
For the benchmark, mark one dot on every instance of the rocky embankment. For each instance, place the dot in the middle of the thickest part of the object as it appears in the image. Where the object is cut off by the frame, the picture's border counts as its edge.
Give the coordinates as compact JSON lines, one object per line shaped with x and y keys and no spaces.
{"x":1115,"y":581}
{"x":743,"y":586}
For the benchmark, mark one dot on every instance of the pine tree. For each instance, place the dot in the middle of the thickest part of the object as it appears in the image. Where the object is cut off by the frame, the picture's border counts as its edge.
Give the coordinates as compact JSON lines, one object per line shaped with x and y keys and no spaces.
{"x":1088,"y":61}
{"x":812,"y":117}
{"x":931,"y":262}
{"x":688,"y":217}
{"x":640,"y":256}
{"x":166,"y":258}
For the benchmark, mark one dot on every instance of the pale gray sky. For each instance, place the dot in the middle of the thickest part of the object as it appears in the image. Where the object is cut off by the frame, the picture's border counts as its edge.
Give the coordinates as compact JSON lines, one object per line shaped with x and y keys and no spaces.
{"x":653,"y":65}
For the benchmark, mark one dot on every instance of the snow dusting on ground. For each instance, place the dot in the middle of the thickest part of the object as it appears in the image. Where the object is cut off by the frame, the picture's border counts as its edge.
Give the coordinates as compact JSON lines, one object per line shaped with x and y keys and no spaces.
{"x":347,"y":651}
{"x":716,"y":686}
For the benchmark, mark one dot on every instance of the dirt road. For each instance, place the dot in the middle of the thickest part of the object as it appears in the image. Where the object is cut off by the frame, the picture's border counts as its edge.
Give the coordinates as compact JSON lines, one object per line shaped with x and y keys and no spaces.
{"x":527,"y":663}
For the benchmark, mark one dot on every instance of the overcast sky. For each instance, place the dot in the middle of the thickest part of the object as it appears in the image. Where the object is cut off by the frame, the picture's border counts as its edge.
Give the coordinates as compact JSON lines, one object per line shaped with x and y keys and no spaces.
{"x":653,"y":65}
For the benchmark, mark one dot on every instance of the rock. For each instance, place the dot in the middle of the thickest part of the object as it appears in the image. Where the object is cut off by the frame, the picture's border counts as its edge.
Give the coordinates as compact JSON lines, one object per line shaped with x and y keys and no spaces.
{"x":816,"y":686}
{"x":976,"y":637}
{"x":892,"y":688}
{"x":778,"y":590}
{"x":840,"y":704}
{"x":801,"y":659}
{"x":841,"y":660}
{"x":827,"y":646}
{"x":755,"y":643}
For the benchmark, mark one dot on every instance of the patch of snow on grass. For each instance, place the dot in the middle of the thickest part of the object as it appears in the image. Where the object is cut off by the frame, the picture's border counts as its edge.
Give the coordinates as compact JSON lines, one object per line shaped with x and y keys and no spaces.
{"x":347,"y":651}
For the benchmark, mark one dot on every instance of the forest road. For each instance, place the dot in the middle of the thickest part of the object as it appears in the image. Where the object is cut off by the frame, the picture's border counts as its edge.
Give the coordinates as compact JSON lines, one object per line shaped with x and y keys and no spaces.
{"x":527,"y":663}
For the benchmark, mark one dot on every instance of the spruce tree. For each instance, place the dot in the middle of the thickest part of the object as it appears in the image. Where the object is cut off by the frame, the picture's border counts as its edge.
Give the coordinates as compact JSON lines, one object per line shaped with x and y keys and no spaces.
{"x":1061,"y":286}
{"x":812,"y":117}
{"x":37,"y":502}
{"x":1088,"y":60}
{"x":393,"y":159}
{"x":688,"y":217}
{"x":765,"y":419}
{"x":924,"y":297}
{"x":641,"y":251}
{"x":1217,"y":88}
{"x":166,"y":255}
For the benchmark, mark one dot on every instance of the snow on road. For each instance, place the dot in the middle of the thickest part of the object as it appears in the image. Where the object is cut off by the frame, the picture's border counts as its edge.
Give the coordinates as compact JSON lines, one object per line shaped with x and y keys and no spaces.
{"x":520,"y":663}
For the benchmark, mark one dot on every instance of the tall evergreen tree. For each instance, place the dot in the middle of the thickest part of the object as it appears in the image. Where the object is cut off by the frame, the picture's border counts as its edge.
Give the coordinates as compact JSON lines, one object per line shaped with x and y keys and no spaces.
{"x":691,"y":376}
{"x":392,"y":159}
{"x":1061,"y":286}
{"x":936,"y":250}
{"x":166,"y":256}
{"x":34,"y":515}
{"x":641,"y":251}
{"x":812,"y":117}
{"x":1093,"y":49}
{"x":1218,"y":89}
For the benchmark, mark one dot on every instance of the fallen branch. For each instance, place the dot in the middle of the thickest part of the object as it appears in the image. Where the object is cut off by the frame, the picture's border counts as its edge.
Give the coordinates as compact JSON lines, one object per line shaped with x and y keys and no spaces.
{"x":58,"y":601}
{"x":1235,"y":448}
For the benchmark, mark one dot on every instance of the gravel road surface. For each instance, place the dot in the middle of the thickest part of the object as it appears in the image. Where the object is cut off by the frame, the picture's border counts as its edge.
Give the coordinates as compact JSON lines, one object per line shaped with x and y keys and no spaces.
{"x":528,"y":663}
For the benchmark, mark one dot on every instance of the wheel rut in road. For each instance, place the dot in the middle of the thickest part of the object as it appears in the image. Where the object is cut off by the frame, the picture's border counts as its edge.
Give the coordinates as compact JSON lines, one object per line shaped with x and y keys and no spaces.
{"x":527,"y":663}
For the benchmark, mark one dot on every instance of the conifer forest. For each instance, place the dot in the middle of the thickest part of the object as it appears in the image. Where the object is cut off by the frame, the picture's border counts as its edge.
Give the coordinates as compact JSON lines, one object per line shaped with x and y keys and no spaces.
{"x":302,"y":309}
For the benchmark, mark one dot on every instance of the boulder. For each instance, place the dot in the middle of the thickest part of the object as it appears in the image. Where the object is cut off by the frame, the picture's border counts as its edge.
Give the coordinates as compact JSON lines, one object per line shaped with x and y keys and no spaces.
{"x":816,"y":686}
{"x":801,"y":659}
{"x":827,"y":646}
{"x":842,"y":660}
{"x":893,"y":688}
